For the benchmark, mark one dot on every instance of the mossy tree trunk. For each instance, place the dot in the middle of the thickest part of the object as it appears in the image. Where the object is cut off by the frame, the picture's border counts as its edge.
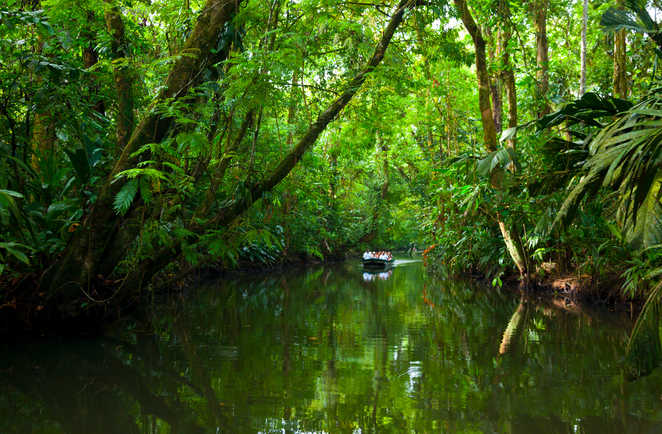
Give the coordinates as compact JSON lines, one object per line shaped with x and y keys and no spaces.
{"x":125,"y":120}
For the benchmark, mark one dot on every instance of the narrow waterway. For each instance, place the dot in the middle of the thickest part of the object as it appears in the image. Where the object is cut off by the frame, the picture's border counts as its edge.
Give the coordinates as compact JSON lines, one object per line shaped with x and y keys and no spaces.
{"x":334,"y":349}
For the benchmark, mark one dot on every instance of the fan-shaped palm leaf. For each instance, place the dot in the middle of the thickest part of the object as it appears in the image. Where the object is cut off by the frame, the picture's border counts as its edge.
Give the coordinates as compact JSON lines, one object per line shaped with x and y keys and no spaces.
{"x":627,"y":157}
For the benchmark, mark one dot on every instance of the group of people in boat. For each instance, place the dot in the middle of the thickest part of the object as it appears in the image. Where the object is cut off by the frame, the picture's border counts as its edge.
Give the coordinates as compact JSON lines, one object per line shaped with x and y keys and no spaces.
{"x":386,"y":256}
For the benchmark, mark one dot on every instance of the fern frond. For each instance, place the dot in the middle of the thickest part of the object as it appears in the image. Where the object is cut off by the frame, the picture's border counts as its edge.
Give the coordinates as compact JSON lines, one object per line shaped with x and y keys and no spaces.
{"x":125,"y":197}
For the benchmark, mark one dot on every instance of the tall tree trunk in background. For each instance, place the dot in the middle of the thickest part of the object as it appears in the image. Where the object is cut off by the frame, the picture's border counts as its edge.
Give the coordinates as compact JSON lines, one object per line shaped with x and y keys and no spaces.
{"x":384,"y":148}
{"x":582,"y":78}
{"x":508,"y":75}
{"x":121,"y":73}
{"x":43,"y":127}
{"x":489,"y":130}
{"x":620,"y":77}
{"x":43,"y":135}
{"x":494,"y":52}
{"x":510,"y":237}
{"x":542,"y":54}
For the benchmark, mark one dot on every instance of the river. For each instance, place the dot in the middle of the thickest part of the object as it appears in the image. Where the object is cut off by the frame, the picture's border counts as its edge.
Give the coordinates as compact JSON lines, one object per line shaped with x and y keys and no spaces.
{"x":333,"y":349}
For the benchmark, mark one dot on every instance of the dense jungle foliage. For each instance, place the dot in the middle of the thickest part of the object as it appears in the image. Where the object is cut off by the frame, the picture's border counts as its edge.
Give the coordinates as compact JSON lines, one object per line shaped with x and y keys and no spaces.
{"x":145,"y":139}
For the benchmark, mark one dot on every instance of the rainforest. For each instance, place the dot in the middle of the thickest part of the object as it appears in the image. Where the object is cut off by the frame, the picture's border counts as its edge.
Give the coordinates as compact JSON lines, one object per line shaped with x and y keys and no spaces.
{"x":508,"y":153}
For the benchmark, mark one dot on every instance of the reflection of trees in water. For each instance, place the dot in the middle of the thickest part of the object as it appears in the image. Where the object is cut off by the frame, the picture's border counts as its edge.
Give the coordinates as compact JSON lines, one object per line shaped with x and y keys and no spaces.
{"x":89,"y":387}
{"x":322,"y":351}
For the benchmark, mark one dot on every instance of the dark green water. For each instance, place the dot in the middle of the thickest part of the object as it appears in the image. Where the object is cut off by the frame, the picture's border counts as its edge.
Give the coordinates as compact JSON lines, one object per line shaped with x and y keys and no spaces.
{"x":325,"y":350}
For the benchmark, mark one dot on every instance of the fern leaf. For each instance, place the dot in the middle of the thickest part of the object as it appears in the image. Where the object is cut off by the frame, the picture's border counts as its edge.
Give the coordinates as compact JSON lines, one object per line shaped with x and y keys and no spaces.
{"x":125,"y":197}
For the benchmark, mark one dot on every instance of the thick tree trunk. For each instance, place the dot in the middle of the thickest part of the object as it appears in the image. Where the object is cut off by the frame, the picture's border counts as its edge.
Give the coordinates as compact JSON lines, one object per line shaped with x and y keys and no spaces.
{"x":620,"y":66}
{"x":43,"y":137}
{"x":125,"y":121}
{"x":510,"y":237}
{"x":582,"y":78}
{"x":542,"y":54}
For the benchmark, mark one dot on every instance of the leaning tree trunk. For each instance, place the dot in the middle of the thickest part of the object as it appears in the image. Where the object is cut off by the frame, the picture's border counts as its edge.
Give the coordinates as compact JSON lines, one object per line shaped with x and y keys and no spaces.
{"x":86,"y":256}
{"x":510,"y":236}
{"x":101,"y":241}
{"x":288,"y":162}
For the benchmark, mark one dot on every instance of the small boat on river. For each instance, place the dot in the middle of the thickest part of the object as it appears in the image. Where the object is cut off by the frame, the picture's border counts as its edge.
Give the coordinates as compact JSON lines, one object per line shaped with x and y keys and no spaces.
{"x":381,"y":261}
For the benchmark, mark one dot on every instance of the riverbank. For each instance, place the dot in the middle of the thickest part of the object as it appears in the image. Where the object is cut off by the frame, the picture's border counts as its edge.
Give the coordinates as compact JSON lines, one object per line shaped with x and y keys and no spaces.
{"x":34,"y":314}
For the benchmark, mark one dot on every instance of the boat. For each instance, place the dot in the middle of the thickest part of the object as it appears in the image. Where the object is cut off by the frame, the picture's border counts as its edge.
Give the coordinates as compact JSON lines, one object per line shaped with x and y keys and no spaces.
{"x":377,"y":264}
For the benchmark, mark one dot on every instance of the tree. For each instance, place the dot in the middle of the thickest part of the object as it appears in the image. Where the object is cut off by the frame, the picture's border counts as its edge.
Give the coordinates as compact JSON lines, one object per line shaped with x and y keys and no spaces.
{"x":100,"y":245}
{"x":540,"y":8}
{"x":620,"y":68}
{"x":582,"y":79}
{"x":510,"y":237}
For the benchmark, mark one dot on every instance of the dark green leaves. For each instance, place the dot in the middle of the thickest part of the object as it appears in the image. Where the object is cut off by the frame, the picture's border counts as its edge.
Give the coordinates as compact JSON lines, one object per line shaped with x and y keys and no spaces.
{"x":587,"y":110}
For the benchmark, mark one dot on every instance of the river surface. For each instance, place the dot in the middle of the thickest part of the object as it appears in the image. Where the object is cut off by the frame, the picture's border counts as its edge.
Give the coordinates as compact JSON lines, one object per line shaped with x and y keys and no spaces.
{"x":333,"y":349}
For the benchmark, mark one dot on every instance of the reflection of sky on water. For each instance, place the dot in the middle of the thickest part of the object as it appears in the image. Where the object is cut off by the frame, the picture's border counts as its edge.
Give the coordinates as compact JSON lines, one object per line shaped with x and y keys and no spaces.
{"x":370,"y":277}
{"x":414,"y":372}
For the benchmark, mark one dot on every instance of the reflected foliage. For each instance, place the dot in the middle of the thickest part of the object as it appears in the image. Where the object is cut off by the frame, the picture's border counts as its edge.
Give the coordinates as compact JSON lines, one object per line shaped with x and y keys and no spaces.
{"x":325,"y":351}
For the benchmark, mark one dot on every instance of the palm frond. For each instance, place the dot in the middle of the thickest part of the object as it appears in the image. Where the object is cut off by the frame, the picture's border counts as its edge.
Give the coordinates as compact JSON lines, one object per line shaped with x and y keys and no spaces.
{"x":626,"y":157}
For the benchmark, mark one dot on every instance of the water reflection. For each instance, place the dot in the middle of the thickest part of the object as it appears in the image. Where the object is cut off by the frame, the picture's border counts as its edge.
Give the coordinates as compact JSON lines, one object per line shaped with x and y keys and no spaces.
{"x":325,"y":351}
{"x":372,"y":276}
